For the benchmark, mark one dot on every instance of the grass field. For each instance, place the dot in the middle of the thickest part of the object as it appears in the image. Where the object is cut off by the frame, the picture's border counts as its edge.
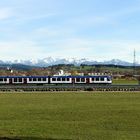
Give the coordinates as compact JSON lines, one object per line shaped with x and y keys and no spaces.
{"x":70,"y":116}
{"x":125,"y":82}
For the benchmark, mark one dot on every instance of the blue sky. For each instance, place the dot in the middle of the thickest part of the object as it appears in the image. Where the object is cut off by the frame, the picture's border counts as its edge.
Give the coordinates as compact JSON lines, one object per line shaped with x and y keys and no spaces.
{"x":94,"y":29}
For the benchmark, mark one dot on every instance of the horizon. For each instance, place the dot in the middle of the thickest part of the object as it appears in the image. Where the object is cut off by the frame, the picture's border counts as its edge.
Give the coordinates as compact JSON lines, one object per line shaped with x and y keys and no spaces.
{"x":92,"y":29}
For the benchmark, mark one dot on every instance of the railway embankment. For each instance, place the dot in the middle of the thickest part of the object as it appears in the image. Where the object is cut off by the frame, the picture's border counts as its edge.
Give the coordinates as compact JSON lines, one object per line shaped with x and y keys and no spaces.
{"x":43,"y":88}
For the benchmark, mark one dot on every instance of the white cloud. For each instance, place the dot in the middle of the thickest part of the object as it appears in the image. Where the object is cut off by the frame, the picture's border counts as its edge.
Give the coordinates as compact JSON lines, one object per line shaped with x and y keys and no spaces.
{"x":26,"y":18}
{"x":99,"y":50}
{"x":90,"y":20}
{"x":61,"y":34}
{"x":19,"y":50}
{"x":5,"y":13}
{"x":52,"y":32}
{"x":105,"y":17}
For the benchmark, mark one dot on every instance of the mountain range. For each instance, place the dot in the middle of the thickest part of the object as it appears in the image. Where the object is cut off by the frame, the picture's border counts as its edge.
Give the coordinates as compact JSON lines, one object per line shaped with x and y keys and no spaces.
{"x":49,"y":61}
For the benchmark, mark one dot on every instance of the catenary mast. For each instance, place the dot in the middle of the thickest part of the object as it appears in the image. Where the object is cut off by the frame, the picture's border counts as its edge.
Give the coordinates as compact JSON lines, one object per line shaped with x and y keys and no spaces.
{"x":134,"y":63}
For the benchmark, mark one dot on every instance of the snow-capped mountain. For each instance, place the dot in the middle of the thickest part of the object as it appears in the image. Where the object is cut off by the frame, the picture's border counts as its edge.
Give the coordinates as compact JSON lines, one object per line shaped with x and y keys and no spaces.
{"x":49,"y":61}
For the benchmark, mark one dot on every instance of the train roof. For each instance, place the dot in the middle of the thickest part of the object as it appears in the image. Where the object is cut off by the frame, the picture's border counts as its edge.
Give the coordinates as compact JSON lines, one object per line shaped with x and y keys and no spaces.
{"x":23,"y":76}
{"x":55,"y":76}
{"x":81,"y":76}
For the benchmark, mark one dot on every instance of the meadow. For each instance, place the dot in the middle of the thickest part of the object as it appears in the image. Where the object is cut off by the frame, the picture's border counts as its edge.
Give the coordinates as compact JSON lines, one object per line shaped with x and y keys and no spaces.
{"x":125,"y":82}
{"x":70,"y":116}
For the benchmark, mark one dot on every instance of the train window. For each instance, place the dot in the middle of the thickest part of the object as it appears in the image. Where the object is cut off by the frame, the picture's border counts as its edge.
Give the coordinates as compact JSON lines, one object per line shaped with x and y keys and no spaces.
{"x":108,"y":79}
{"x":97,"y":79}
{"x":102,"y":79}
{"x":20,"y":79}
{"x":5,"y":79}
{"x":15,"y":79}
{"x":58,"y":79}
{"x":39,"y":79}
{"x":44,"y":79}
{"x":34,"y":79}
{"x":1,"y":79}
{"x":92,"y":79}
{"x":68,"y":79}
{"x":82,"y":79}
{"x":30,"y":79}
{"x":63,"y":79}
{"x":53,"y":79}
{"x":77,"y":79}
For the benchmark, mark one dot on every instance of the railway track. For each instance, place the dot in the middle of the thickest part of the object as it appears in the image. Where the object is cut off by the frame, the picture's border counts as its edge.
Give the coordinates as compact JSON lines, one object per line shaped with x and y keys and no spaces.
{"x":21,"y":88}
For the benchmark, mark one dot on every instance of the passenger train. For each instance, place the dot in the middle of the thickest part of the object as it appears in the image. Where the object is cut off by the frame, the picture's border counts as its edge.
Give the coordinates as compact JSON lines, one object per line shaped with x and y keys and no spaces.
{"x":97,"y":79}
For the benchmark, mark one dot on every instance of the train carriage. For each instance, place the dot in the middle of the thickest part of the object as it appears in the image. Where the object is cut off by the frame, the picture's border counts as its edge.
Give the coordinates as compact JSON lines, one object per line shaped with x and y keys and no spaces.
{"x":37,"y":79}
{"x":100,"y":80}
{"x":16,"y":79}
{"x":92,"y":79}
{"x":60,"y":79}
{"x":4,"y":80}
{"x":80,"y":79}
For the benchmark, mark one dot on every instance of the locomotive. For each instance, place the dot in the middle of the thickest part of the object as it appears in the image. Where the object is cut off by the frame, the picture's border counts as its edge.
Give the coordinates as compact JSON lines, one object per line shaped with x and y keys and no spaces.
{"x":97,"y":79}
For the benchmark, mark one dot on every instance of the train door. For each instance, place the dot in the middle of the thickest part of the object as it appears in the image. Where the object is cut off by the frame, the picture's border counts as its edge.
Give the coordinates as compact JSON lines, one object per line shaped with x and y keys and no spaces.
{"x":25,"y":80}
{"x":10,"y":81}
{"x":87,"y":80}
{"x":49,"y":79}
{"x":73,"y":80}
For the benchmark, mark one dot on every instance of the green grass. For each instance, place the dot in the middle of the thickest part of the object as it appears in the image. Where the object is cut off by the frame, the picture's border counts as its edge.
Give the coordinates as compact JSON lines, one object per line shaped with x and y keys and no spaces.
{"x":125,"y":81}
{"x":70,"y":116}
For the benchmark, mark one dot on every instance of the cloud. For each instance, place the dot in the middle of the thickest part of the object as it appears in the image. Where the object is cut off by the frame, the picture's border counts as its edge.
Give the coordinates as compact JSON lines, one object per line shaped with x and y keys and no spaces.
{"x":5,"y":13}
{"x":99,"y":50}
{"x":27,"y":18}
{"x":87,"y":21}
{"x":108,"y":17}
{"x":96,"y":49}
{"x":22,"y":49}
{"x":53,"y":33}
{"x":37,"y":29}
